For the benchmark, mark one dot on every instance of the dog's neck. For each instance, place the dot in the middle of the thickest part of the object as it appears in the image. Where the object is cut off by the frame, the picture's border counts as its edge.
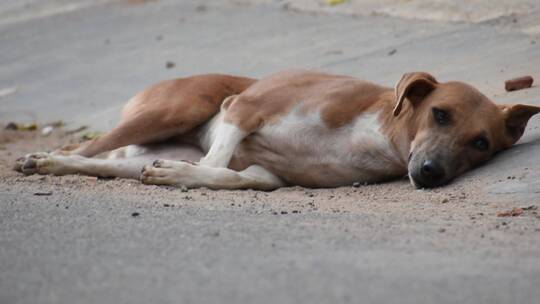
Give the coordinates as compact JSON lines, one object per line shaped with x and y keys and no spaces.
{"x":400,"y":130}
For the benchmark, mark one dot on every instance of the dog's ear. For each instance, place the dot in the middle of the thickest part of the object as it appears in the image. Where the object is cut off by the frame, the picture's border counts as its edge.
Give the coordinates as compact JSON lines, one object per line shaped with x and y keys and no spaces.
{"x":415,"y":87}
{"x":516,"y":118}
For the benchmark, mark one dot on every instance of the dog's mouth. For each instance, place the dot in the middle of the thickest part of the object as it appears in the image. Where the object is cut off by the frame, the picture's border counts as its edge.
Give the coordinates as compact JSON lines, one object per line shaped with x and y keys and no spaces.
{"x":420,"y":183}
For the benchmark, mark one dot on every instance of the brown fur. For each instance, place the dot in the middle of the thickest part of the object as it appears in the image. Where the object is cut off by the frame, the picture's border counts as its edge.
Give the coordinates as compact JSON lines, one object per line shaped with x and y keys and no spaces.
{"x":168,"y":109}
{"x":339,"y":98}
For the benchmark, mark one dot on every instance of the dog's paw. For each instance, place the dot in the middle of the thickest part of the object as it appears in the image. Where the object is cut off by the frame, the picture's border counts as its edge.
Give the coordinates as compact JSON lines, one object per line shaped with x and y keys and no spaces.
{"x":40,"y":163}
{"x":166,"y":172}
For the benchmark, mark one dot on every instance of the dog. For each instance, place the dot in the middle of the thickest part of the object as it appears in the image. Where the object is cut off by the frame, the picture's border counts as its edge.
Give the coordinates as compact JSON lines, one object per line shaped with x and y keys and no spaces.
{"x":294,"y":127}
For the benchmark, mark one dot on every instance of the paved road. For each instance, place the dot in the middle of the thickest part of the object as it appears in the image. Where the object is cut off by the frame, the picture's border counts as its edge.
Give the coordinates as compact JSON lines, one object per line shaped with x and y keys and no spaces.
{"x":80,"y":62}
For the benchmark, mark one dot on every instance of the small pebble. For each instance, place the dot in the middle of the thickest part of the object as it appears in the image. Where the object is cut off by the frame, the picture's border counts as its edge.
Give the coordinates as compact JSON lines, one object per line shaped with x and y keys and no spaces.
{"x":135,"y":214}
{"x":43,"y":193}
{"x":518,"y":83}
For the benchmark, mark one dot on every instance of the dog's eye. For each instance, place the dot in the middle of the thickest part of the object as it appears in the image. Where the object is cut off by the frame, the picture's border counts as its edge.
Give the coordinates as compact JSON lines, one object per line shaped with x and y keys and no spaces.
{"x":441,"y":116}
{"x":480,"y":144}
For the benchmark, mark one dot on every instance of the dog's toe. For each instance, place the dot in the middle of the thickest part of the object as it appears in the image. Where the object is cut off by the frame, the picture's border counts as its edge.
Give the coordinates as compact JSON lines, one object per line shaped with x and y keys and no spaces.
{"x":29,"y":164}
{"x":148,"y":174}
{"x":161,"y":175}
{"x":146,"y":170}
{"x":19,"y":163}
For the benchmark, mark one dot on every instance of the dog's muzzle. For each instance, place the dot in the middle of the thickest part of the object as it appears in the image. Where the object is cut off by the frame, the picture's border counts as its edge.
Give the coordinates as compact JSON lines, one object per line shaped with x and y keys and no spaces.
{"x":428,"y":174}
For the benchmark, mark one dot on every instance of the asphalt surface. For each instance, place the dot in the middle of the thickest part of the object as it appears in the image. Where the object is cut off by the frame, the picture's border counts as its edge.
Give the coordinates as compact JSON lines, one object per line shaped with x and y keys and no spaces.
{"x":96,"y":252}
{"x":80,"y":63}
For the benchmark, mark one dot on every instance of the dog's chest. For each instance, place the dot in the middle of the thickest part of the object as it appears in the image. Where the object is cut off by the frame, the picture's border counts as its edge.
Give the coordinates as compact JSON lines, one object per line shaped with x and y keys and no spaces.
{"x":300,"y":147}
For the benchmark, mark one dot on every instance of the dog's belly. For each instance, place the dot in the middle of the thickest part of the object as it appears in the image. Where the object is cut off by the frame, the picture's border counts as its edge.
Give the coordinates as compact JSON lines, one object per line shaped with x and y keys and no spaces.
{"x":308,"y":170}
{"x":302,"y":150}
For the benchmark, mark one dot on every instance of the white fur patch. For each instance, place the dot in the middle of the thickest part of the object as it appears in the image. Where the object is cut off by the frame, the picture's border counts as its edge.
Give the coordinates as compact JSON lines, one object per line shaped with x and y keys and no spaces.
{"x":208,"y":134}
{"x":358,"y":149}
{"x":370,"y":148}
{"x":135,"y":150}
{"x":297,"y":128}
{"x":223,"y":139}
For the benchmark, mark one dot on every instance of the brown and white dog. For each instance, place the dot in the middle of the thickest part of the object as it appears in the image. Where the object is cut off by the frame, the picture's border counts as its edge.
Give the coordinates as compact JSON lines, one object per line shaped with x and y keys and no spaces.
{"x":294,"y":128}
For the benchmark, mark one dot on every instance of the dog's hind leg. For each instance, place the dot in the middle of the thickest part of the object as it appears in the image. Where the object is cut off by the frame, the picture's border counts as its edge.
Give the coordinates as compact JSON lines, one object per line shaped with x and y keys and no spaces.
{"x":56,"y":164}
{"x":134,"y":131}
{"x":169,"y":108}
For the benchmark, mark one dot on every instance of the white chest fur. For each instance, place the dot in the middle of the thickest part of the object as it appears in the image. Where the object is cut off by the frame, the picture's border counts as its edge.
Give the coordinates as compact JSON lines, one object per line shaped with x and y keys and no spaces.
{"x":357,"y":151}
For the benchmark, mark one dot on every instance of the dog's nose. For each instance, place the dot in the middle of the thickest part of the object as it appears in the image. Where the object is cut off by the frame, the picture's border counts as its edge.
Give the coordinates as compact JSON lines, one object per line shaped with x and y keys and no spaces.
{"x":432,"y":173}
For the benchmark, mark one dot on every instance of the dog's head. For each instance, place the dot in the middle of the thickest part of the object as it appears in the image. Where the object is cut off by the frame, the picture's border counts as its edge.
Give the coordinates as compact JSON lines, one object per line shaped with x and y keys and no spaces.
{"x":454,"y":127}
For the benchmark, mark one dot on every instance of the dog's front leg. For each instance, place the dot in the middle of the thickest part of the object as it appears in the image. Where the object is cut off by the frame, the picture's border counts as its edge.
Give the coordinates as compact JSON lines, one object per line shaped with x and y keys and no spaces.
{"x":181,"y":173}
